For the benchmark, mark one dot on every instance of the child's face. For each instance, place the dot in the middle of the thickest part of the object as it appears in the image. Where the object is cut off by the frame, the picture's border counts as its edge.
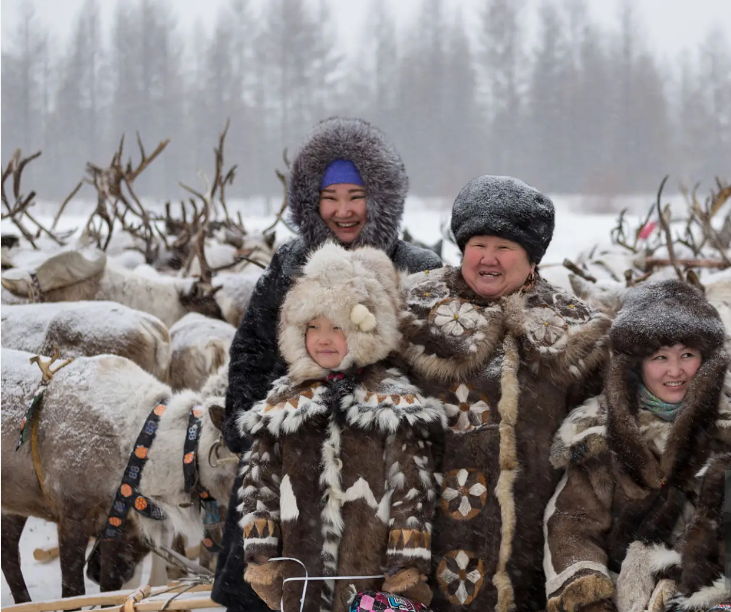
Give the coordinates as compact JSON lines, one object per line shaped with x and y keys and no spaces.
{"x":668,"y":371}
{"x":325,"y":342}
{"x":343,"y":209}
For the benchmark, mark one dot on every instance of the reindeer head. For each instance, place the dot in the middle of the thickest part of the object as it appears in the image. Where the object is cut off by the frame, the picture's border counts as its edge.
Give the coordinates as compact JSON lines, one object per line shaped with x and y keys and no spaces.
{"x":201,"y":298}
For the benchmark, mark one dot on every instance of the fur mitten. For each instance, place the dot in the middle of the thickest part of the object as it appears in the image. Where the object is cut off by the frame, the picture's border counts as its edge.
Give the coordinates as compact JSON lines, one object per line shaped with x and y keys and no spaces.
{"x":410,"y":583}
{"x":266,"y":580}
{"x":583,"y":590}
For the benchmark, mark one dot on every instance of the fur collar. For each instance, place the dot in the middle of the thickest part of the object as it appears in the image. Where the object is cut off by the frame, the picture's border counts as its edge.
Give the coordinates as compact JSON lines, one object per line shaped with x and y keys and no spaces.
{"x":588,"y":433}
{"x":452,"y":332}
{"x":384,"y":401}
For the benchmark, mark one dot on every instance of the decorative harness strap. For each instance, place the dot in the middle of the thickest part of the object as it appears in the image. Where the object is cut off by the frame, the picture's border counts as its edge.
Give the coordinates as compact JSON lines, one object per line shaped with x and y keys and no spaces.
{"x":31,"y":415}
{"x":128,"y":494}
{"x":209,"y":506}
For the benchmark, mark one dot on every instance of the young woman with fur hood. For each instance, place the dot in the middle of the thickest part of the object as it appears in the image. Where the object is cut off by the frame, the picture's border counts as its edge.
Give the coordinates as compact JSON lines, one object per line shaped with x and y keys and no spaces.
{"x":349,"y":184}
{"x":636,"y":492}
{"x":340,"y":473}
{"x":510,"y":355}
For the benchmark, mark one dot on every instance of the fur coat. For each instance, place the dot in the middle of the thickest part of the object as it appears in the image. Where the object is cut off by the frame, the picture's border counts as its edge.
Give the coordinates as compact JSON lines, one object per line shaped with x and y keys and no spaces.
{"x":340,"y":476}
{"x":610,"y":537}
{"x":508,"y":371}
{"x":632,"y":499}
{"x":255,"y":361}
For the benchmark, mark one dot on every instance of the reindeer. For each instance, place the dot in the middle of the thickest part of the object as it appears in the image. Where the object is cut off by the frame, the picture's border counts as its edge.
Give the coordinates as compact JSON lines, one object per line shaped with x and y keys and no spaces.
{"x":199,"y":347}
{"x":89,"y":328}
{"x":86,"y":275}
{"x":72,"y":466}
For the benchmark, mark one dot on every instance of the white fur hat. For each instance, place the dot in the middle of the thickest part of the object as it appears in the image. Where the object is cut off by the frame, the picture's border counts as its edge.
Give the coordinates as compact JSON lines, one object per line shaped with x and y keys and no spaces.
{"x":359,"y":291}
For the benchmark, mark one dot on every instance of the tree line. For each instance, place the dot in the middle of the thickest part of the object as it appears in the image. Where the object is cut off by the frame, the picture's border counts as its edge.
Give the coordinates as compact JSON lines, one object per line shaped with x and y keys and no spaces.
{"x":570,"y":107}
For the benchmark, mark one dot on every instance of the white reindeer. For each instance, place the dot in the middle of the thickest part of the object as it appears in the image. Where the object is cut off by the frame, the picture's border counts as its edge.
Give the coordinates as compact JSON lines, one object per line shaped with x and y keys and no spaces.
{"x":76,"y":329}
{"x":92,"y":412}
{"x":199,"y":347}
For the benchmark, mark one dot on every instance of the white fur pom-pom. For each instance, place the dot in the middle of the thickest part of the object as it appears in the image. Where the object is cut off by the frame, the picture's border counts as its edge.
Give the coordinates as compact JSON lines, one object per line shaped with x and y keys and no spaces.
{"x":363,"y":318}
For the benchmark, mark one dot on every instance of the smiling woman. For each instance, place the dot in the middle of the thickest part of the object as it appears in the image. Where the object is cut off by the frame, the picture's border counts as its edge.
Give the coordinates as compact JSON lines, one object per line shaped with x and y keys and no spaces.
{"x":509,"y":354}
{"x":347,"y":184}
{"x":633,"y":459}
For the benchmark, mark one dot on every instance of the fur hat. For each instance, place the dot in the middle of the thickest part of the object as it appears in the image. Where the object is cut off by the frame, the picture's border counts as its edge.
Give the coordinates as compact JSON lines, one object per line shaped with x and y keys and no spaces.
{"x":356,"y":289}
{"x":379,"y":165}
{"x":506,"y":207}
{"x":665,"y":313}
{"x":660,"y":314}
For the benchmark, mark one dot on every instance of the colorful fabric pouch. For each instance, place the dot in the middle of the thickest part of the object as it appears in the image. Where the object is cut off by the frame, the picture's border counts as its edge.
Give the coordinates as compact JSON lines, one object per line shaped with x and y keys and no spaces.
{"x":378,"y":601}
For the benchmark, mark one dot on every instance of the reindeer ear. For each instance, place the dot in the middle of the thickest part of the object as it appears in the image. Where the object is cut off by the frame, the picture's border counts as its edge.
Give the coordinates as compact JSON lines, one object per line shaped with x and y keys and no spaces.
{"x":217,"y":414}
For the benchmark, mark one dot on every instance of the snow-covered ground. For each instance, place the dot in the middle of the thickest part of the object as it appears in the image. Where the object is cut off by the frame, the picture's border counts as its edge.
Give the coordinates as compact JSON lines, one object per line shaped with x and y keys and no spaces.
{"x":575,"y":232}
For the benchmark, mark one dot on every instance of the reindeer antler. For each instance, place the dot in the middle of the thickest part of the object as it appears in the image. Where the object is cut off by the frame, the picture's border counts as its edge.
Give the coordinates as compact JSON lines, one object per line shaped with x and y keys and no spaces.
{"x":45,"y":366}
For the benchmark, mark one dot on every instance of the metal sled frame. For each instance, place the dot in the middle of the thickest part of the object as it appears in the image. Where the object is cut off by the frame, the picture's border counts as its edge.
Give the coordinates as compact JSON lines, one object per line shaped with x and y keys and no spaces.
{"x":307,"y":578}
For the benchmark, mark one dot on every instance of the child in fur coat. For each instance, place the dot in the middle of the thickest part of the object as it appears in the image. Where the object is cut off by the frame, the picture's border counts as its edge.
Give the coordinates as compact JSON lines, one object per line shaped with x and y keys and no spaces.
{"x":633,"y":525}
{"x":340,"y":472}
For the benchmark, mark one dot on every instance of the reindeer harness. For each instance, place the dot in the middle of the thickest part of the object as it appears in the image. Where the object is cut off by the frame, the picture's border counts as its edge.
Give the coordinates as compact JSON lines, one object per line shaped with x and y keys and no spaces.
{"x":128,"y":494}
{"x":209,"y":506}
{"x":32,"y":415}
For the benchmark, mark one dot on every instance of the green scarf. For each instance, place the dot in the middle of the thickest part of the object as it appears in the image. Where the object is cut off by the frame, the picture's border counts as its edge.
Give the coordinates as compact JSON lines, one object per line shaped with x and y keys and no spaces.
{"x":662,"y":410}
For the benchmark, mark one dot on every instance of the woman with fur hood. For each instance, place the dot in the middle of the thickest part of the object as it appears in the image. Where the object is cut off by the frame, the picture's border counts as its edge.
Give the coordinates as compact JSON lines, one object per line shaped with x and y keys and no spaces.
{"x":340,"y":473}
{"x":644,"y":465}
{"x":349,"y":184}
{"x":510,"y":355}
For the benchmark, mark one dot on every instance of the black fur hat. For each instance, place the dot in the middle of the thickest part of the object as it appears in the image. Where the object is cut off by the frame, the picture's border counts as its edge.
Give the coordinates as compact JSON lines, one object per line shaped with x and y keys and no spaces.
{"x":506,"y":207}
{"x":666,"y":313}
{"x":379,"y":165}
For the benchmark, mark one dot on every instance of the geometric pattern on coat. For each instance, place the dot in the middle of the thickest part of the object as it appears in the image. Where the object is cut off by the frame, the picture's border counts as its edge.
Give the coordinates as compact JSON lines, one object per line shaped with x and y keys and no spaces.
{"x":508,"y":371}
{"x":344,"y":469}
{"x":460,"y":575}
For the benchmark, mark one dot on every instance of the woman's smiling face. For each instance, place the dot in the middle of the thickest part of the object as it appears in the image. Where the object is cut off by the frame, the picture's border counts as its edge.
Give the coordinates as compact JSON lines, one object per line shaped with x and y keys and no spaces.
{"x":343,"y":209}
{"x":494,"y":266}
{"x":669,"y":370}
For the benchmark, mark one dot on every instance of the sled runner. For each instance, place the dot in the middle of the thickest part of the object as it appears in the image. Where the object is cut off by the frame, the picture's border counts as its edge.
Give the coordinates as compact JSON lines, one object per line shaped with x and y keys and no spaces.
{"x":178,"y":595}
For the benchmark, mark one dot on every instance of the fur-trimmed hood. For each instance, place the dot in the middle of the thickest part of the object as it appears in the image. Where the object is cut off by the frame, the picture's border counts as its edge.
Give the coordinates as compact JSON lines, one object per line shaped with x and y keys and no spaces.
{"x":379,"y":165}
{"x":583,"y":436}
{"x":382,"y":401}
{"x":655,"y":315}
{"x":356,"y":289}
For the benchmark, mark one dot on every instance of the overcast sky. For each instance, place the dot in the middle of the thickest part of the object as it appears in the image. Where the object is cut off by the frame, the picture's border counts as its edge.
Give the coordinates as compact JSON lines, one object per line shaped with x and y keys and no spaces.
{"x":670,"y":25}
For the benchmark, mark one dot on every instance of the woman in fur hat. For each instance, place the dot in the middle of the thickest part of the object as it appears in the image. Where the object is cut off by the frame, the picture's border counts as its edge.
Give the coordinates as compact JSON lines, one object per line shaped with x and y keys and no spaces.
{"x":634,"y":459}
{"x":510,"y":355}
{"x":340,"y":473}
{"x":349,"y":184}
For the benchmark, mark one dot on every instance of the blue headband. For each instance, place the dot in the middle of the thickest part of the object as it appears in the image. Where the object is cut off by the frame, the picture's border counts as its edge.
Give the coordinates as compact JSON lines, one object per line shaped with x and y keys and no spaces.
{"x":341,"y":171}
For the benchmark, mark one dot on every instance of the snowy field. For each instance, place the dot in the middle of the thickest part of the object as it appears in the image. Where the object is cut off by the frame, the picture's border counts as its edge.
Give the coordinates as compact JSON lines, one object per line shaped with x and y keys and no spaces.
{"x":575,"y":232}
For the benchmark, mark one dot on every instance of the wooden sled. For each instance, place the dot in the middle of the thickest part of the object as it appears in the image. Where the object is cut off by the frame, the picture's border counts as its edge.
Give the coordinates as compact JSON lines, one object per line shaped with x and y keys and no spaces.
{"x":179,"y":595}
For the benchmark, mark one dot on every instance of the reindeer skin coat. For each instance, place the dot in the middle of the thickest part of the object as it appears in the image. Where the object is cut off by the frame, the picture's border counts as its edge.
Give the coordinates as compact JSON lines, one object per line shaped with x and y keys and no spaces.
{"x":610,"y":512}
{"x":340,"y":475}
{"x":508,"y":371}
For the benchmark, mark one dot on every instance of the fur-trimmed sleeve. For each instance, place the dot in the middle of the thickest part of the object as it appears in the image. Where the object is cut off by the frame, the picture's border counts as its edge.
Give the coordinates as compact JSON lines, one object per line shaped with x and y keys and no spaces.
{"x":411,"y":479}
{"x":577,"y":519}
{"x":259,"y":495}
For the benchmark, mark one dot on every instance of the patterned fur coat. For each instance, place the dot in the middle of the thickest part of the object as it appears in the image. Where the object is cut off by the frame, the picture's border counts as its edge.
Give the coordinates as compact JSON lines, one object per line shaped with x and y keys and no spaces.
{"x":611,"y":515}
{"x":340,"y":476}
{"x":508,"y":371}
